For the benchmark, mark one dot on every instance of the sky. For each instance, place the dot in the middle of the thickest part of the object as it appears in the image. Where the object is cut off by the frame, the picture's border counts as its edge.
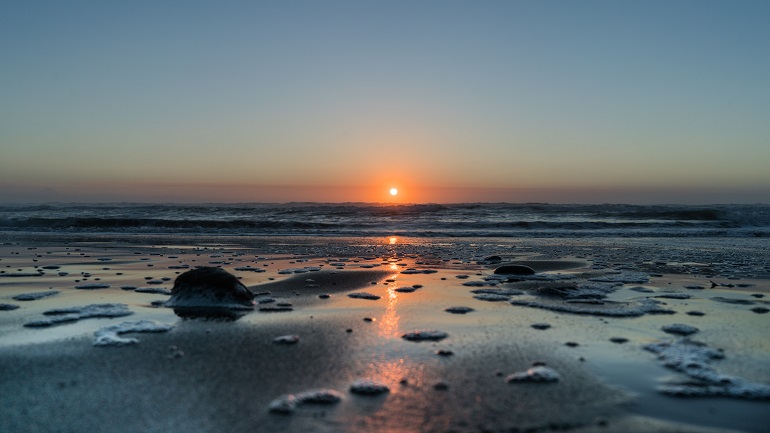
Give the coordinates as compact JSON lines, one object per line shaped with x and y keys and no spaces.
{"x":339,"y":101}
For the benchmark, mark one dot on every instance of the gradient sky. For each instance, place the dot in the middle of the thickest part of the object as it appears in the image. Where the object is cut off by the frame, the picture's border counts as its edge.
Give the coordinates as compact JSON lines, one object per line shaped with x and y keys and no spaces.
{"x":549,"y":101}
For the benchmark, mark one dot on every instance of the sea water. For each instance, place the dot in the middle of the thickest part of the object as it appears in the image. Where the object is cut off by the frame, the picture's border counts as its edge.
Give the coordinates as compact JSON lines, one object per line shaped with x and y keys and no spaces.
{"x":412,"y":220}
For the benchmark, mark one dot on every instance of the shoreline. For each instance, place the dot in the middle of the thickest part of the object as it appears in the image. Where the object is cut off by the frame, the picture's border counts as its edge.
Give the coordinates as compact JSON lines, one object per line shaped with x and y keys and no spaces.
{"x":223,"y":375}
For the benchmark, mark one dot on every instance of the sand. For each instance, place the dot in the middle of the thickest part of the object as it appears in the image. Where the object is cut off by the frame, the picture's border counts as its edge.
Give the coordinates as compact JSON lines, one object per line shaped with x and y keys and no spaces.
{"x":214,"y":376}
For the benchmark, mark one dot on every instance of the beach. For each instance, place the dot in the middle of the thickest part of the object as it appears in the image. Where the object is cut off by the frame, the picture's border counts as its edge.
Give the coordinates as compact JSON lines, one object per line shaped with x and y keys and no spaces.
{"x":230,"y":375}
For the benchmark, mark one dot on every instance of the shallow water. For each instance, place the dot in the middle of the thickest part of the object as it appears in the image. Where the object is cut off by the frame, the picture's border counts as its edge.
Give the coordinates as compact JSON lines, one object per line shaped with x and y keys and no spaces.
{"x":494,"y":340}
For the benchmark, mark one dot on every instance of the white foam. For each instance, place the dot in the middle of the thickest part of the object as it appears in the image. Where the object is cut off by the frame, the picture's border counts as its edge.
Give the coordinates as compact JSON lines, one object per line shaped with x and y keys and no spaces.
{"x":35,"y":296}
{"x":286,"y":339}
{"x":680,"y":329}
{"x":363,"y":295}
{"x":692,"y":359}
{"x":459,"y":310}
{"x":425,"y":335}
{"x":625,"y":277}
{"x":288,"y":403}
{"x":368,"y":387}
{"x":539,"y":374}
{"x":299,"y":270}
{"x":610,"y":309}
{"x":109,"y":335}
{"x":93,"y":286}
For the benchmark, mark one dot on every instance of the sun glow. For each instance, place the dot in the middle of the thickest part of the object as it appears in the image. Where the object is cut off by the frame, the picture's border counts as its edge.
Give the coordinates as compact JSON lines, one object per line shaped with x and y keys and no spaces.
{"x":393,"y":191}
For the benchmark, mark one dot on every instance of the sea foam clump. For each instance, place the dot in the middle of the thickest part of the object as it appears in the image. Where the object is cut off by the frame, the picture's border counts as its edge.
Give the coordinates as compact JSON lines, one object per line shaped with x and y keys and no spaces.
{"x":425,"y":335}
{"x":35,"y":296}
{"x":693,"y":358}
{"x":288,"y":403}
{"x":609,"y":309}
{"x":625,"y":277}
{"x":109,"y":335}
{"x":65,"y":315}
{"x":368,"y":387}
{"x":299,"y":270}
{"x":363,"y":295}
{"x":93,"y":286}
{"x":539,"y":374}
{"x":680,"y":329}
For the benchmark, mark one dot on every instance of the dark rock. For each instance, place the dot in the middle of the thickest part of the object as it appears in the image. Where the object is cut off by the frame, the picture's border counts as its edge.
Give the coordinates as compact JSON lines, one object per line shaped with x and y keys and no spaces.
{"x":210,"y":293}
{"x":514,"y":270}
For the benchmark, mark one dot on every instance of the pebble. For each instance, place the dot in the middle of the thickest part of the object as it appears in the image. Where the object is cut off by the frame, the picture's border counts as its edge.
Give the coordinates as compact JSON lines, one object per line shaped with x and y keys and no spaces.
{"x":541,"y":326}
{"x":619,"y":340}
{"x":444,"y":352}
{"x":760,"y":310}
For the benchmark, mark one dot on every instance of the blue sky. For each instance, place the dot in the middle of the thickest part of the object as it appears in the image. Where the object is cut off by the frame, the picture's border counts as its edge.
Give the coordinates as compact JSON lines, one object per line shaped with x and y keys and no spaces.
{"x":581,"y":101}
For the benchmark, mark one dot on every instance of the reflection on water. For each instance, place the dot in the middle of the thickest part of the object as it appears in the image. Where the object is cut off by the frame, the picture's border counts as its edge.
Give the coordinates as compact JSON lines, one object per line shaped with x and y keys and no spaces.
{"x":389,"y":322}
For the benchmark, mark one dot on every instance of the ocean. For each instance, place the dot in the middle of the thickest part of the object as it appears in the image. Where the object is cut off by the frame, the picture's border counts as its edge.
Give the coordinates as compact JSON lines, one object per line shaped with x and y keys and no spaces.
{"x":479,"y":220}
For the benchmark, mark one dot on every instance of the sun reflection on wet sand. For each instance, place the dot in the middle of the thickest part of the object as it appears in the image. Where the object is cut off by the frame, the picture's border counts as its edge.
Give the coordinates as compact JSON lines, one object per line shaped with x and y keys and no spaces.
{"x":389,"y":321}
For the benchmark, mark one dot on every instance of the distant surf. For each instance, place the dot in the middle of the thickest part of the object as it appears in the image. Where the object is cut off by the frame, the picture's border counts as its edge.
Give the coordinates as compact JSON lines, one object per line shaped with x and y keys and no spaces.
{"x":415,"y":220}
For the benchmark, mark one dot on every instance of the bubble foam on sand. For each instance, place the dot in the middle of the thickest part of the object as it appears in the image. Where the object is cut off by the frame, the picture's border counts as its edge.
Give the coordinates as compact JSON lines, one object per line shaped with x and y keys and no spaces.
{"x":692,"y":358}
{"x":363,"y":295}
{"x":680,"y":329}
{"x":368,"y":387}
{"x":539,"y":374}
{"x":459,"y":310}
{"x":610,"y":309}
{"x":412,"y":271}
{"x":425,"y":335}
{"x":286,"y":339}
{"x":65,"y":315}
{"x":299,"y":270}
{"x":288,"y":403}
{"x":499,"y":291}
{"x":93,"y":286}
{"x":153,"y":290}
{"x":35,"y":296}
{"x":489,"y":297}
{"x":110,"y":335}
{"x":625,"y":277}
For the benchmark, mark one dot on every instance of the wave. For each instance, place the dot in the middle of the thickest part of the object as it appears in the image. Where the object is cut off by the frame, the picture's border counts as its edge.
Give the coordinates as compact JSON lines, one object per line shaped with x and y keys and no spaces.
{"x":355,"y":219}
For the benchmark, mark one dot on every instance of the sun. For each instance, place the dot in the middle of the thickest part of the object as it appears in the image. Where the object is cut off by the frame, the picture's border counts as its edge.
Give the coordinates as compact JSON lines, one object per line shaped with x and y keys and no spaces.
{"x":393,"y":191}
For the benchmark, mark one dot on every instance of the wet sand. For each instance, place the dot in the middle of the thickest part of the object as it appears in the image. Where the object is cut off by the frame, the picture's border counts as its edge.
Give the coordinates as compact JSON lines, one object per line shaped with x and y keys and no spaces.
{"x":213,"y":376}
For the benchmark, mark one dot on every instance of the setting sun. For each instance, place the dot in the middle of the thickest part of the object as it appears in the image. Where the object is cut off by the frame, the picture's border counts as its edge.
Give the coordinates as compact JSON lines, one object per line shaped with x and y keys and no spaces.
{"x":393,"y":191}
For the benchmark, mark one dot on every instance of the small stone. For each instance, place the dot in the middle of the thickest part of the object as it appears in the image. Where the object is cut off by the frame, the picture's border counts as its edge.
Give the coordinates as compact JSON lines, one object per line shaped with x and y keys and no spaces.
{"x":514,"y":270}
{"x":619,"y":340}
{"x":541,"y":326}
{"x":760,"y":310}
{"x":441,"y":386}
{"x":444,"y":352}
